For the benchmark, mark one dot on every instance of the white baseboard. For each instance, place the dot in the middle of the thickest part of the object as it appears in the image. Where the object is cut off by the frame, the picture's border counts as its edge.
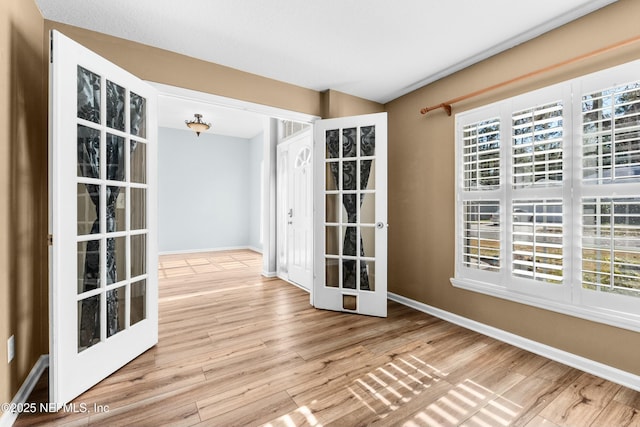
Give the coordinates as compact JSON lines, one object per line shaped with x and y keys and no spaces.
{"x":269,"y":274}
{"x":601,"y":370}
{"x":8,"y":418}
{"x":194,"y":251}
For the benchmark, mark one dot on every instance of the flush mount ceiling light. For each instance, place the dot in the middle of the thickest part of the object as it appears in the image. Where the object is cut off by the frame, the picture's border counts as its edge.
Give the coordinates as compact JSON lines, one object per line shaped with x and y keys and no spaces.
{"x":197,"y":125}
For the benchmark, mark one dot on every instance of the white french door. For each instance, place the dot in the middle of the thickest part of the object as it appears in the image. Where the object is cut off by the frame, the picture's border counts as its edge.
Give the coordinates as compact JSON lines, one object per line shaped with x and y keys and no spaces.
{"x":103,"y":201}
{"x":350,"y":271}
{"x":300,"y":212}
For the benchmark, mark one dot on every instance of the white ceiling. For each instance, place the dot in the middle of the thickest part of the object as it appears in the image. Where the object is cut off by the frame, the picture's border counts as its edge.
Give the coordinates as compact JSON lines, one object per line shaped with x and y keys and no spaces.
{"x":374,"y":49}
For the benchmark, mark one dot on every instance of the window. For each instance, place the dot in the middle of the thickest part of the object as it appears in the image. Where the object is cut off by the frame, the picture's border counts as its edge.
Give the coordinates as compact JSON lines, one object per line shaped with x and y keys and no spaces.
{"x":548,"y":197}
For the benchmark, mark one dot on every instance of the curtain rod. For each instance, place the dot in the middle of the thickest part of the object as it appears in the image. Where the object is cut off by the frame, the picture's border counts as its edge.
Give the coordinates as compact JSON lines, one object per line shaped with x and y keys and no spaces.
{"x":447,"y":104}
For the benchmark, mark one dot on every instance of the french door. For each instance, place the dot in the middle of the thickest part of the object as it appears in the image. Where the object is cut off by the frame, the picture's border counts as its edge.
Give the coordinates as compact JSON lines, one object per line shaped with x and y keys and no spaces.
{"x":103,"y":258}
{"x":350,"y":225}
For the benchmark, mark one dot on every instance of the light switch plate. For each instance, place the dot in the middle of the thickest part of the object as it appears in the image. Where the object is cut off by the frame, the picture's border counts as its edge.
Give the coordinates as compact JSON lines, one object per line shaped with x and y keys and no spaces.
{"x":11,"y":348}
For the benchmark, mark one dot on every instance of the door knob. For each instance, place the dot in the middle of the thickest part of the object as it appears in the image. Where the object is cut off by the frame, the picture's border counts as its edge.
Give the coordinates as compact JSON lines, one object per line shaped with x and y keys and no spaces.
{"x":380,"y":225}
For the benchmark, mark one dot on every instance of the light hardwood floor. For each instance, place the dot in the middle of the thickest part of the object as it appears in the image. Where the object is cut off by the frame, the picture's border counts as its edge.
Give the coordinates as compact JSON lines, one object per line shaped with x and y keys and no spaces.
{"x":238,"y":349}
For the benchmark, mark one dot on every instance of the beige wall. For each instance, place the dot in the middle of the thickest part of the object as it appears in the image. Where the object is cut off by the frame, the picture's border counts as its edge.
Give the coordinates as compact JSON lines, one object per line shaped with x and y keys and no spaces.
{"x":421,"y":185}
{"x":23,"y":192}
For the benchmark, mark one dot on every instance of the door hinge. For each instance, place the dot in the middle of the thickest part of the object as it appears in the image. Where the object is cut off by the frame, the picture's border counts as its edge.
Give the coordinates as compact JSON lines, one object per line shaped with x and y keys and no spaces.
{"x":50,"y":239}
{"x":51,"y":49}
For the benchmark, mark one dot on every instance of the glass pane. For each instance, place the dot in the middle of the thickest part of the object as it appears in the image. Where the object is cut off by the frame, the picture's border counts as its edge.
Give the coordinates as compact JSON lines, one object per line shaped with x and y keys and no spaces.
{"x":368,"y":141}
{"x":349,"y":145}
{"x":88,"y":207}
{"x":350,"y":202}
{"x":116,"y":259}
{"x":332,"y":138}
{"x":88,"y":152}
{"x":115,"y":106}
{"x":367,"y":275}
{"x":332,"y":240}
{"x":349,"y":302}
{"x":367,"y":174}
{"x":116,"y":305}
{"x":88,"y":322}
{"x":138,"y":301}
{"x":116,"y":209}
{"x":332,"y":272}
{"x":138,"y":112}
{"x":138,"y":208}
{"x":349,"y":273}
{"x":333,"y":207}
{"x":349,"y":178}
{"x":115,"y":157}
{"x":138,"y":254}
{"x":332,"y":176}
{"x":88,"y":95}
{"x":138,"y":162}
{"x":88,"y":265}
{"x":368,"y":242}
{"x":368,"y":208}
{"x":349,"y":247}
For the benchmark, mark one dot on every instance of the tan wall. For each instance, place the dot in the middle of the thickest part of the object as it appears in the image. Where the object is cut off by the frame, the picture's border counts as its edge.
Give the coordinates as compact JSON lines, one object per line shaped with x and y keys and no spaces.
{"x":339,"y":104}
{"x":421,"y":185}
{"x":23,"y":192}
{"x":162,"y":66}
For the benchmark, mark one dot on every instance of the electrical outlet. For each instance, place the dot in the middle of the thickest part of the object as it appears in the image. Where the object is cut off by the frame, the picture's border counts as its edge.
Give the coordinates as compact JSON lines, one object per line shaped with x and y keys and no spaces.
{"x":11,"y":348}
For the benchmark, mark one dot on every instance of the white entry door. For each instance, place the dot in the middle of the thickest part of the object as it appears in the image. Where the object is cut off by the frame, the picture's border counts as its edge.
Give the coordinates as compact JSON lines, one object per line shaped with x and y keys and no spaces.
{"x":350,"y":272}
{"x":300,"y":212}
{"x":103,"y":202}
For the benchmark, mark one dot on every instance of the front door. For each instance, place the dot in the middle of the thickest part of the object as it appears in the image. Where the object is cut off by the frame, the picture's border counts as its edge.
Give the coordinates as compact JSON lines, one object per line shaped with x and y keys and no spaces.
{"x":300,"y":212}
{"x":350,"y":225}
{"x":103,"y":258}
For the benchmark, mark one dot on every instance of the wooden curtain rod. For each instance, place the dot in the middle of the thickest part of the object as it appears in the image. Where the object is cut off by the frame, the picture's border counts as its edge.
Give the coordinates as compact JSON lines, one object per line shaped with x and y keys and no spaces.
{"x":447,"y":104}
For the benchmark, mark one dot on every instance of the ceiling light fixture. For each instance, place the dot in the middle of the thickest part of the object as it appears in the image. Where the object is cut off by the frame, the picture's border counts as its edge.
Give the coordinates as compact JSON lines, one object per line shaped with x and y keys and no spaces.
{"x":197,"y":125}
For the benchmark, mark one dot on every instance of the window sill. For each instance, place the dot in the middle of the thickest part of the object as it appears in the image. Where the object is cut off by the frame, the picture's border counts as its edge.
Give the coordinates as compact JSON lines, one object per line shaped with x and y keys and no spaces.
{"x":608,"y":317}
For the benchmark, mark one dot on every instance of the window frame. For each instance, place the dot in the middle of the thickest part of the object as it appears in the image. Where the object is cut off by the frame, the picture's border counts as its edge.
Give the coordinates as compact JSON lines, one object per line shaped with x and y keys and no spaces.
{"x":569,"y":297}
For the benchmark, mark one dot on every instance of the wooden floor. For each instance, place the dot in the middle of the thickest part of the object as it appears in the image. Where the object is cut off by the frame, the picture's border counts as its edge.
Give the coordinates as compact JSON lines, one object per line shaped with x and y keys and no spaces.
{"x":237,"y":349}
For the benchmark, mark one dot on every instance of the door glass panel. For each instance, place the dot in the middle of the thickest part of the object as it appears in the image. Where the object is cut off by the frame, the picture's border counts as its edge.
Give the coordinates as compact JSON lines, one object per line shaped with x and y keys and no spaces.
{"x":349,"y":273}
{"x":349,"y":177}
{"x":88,"y":265}
{"x":332,"y":177}
{"x":332,"y":241}
{"x":88,"y":152}
{"x":368,"y":275}
{"x":138,"y":208}
{"x":367,"y":208}
{"x":116,"y":209}
{"x":138,"y":111}
{"x":88,"y":322}
{"x":115,"y":106}
{"x":349,"y":243}
{"x":349,"y":144}
{"x":88,"y":206}
{"x":368,"y":241}
{"x":367,"y":174}
{"x":115,"y":157}
{"x":116,"y":305}
{"x":332,"y":272}
{"x":88,"y":95}
{"x":333,"y":208}
{"x":333,"y":144}
{"x":138,"y":162}
{"x":116,"y":259}
{"x":367,"y":141}
{"x":350,"y":204}
{"x":138,"y":301}
{"x":138,"y":254}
